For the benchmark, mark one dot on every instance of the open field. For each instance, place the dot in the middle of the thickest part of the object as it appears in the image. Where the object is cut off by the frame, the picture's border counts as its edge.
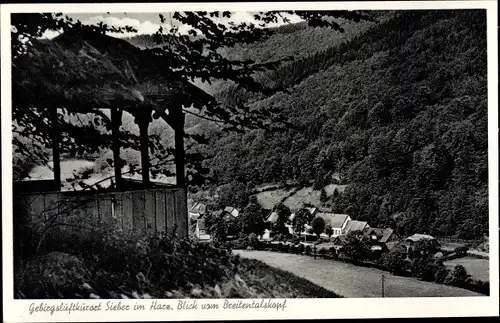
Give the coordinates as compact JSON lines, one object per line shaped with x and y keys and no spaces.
{"x":279,"y":282}
{"x":477,"y":268}
{"x":353,"y":281}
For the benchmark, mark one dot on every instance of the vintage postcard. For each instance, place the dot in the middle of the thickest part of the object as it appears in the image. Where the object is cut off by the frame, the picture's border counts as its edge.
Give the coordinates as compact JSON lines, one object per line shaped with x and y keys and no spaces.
{"x":226,"y":161}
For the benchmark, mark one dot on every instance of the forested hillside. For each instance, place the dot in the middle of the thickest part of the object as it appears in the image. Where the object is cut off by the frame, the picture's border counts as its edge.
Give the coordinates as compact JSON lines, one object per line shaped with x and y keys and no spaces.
{"x":400,"y":112}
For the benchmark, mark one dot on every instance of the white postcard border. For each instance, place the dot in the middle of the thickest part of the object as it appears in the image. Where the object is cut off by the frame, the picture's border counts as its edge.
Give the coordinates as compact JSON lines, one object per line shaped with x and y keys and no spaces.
{"x":18,"y":310}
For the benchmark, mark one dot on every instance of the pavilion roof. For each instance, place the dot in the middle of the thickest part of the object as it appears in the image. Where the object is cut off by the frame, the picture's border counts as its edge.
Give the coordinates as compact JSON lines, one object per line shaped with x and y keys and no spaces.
{"x":85,"y":70}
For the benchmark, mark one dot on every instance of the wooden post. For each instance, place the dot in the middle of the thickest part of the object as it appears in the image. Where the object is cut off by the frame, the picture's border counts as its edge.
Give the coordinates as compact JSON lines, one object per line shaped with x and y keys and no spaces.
{"x":56,"y":152}
{"x":116,"y":120}
{"x":144,"y":138}
{"x":179,"y":150}
{"x":176,"y":119}
{"x":179,"y":160}
{"x":143,"y":119}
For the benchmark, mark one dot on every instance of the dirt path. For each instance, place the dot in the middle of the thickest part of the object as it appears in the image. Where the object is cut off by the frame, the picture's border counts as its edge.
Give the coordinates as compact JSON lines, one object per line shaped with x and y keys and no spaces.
{"x":352,"y":281}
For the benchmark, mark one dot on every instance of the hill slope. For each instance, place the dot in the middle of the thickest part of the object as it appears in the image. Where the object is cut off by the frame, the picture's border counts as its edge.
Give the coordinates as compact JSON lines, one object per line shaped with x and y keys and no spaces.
{"x":399,"y":111}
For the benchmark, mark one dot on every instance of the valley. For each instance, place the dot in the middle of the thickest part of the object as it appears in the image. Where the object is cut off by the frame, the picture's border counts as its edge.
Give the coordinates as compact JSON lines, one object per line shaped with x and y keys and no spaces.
{"x":403,"y":140}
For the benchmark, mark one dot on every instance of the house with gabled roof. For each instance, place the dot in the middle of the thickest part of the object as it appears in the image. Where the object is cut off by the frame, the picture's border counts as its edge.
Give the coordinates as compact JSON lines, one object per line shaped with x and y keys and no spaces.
{"x":411,"y":240}
{"x":231,"y":210}
{"x":228,"y":214}
{"x":338,"y":222}
{"x":381,"y":239}
{"x":272,"y":217}
{"x":339,"y":242}
{"x":197,"y":211}
{"x":355,"y":225}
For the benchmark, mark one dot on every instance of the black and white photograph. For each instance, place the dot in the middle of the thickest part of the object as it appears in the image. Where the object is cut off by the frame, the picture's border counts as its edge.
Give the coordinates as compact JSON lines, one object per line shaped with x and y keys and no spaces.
{"x":241,"y":155}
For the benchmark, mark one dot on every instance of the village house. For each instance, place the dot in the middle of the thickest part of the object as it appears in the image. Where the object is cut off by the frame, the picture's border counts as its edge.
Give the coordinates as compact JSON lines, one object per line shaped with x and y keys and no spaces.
{"x":355,"y":225}
{"x":232,"y":211}
{"x":201,"y":232}
{"x":378,"y":241}
{"x":338,"y":222}
{"x":272,"y":218}
{"x":381,"y":239}
{"x":410,"y":242}
{"x":339,"y":242}
{"x":198,"y":210}
{"x":266,"y":236}
{"x":485,"y":245}
{"x":228,"y":214}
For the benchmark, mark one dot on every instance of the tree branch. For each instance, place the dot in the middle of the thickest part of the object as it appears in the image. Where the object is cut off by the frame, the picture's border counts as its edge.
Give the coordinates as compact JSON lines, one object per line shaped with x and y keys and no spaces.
{"x":204,"y":117}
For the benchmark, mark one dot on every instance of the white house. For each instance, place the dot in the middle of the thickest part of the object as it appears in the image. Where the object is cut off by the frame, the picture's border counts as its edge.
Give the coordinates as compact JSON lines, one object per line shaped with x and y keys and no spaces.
{"x":272,"y":217}
{"x":201,"y":232}
{"x":231,"y":210}
{"x":338,"y":222}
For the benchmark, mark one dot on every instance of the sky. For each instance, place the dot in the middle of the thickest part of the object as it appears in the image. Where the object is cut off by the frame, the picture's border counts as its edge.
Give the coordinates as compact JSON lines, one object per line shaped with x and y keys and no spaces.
{"x":148,"y":23}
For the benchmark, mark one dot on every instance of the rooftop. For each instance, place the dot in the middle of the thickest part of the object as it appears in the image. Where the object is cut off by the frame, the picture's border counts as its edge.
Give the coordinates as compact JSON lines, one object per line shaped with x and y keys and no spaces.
{"x":341,"y":238}
{"x":201,"y":224}
{"x":383,"y":235}
{"x":198,"y":207}
{"x":355,"y":225}
{"x":273,"y":217}
{"x":417,"y":237}
{"x":115,"y":72}
{"x":335,"y":220}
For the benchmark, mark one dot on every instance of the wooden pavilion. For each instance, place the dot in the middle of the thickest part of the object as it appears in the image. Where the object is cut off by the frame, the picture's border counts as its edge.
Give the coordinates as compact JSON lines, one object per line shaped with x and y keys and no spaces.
{"x":86,"y":72}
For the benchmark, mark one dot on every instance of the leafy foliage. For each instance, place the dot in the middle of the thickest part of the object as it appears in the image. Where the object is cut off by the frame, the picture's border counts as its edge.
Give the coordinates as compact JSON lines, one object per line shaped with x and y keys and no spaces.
{"x":251,"y":220}
{"x":355,"y":246}
{"x":156,"y":266}
{"x":461,"y":251}
{"x":394,"y":261}
{"x":458,"y":277}
{"x":318,"y":225}
{"x":283,"y":217}
{"x":110,"y":262}
{"x":302,"y":217}
{"x":328,"y":230}
{"x":424,"y":268}
{"x":216,"y":227}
